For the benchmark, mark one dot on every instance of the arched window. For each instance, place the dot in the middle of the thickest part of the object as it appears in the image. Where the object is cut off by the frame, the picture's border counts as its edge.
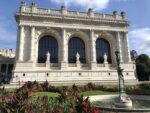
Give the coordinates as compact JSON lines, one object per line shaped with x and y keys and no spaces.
{"x":76,"y":45}
{"x":102,"y":47}
{"x":48,"y":44}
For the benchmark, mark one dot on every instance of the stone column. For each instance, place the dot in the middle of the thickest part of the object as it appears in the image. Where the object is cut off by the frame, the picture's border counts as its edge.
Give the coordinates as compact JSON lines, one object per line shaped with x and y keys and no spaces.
{"x":93,"y":50}
{"x":119,"y":46}
{"x":63,"y":48}
{"x":17,"y":44}
{"x":21,"y":44}
{"x":32,"y":44}
{"x":128,"y":56}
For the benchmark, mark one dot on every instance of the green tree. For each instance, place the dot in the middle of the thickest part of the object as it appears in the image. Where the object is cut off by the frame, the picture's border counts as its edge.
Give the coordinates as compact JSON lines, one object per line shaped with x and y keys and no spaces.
{"x":143,"y":67}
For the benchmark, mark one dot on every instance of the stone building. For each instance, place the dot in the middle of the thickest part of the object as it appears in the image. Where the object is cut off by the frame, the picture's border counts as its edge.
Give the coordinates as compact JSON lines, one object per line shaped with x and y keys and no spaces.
{"x":63,"y":46}
{"x":6,"y":64}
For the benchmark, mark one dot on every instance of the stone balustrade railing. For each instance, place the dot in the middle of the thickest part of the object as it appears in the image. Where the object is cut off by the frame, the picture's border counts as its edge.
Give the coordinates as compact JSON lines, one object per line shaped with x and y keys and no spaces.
{"x":64,"y":11}
{"x":7,"y":53}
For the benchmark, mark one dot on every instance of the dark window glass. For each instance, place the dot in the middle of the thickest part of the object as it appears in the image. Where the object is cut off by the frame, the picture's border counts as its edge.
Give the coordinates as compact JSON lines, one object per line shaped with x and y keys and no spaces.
{"x":76,"y":45}
{"x":102,"y":47}
{"x":48,"y":43}
{"x":10,"y":68}
{"x":3,"y":68}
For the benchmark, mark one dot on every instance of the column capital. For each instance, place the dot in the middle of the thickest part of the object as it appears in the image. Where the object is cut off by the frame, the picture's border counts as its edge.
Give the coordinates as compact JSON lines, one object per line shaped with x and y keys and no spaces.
{"x":20,"y":25}
{"x":91,"y":29}
{"x":32,"y":26}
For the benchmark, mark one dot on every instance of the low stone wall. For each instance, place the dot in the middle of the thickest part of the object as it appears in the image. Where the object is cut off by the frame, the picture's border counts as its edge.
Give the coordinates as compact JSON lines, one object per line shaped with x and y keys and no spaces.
{"x":120,"y":110}
{"x":101,"y":110}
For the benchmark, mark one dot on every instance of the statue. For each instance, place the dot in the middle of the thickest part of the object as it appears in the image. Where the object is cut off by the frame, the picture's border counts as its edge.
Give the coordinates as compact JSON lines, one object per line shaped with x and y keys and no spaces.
{"x":77,"y":58}
{"x":48,"y":57}
{"x":105,"y":58}
{"x":124,"y":100}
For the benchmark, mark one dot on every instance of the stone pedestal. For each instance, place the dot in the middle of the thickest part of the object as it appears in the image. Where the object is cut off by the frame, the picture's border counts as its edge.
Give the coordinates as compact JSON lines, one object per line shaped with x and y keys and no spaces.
{"x":48,"y":66}
{"x":123,"y":102}
{"x":93,"y":65}
{"x":63,"y":65}
{"x":78,"y":65}
{"x":106,"y":65}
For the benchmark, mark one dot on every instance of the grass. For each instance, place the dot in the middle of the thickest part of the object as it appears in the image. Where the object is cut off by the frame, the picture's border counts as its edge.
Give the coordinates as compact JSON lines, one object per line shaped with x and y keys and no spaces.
{"x":87,"y":93}
{"x":49,"y":94}
{"x":10,"y":90}
{"x":97,"y":92}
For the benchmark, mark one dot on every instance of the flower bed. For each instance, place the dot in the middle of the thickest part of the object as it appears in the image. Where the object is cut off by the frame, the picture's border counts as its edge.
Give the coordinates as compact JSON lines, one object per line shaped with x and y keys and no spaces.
{"x":68,"y":102}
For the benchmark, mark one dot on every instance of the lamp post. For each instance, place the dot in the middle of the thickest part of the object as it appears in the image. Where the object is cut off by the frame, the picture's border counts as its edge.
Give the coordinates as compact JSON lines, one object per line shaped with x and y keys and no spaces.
{"x":120,"y":75}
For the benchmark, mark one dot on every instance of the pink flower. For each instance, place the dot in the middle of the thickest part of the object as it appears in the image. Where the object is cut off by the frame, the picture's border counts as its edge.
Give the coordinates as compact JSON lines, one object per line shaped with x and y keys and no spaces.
{"x":59,"y":110}
{"x":31,"y":111}
{"x":94,"y":110}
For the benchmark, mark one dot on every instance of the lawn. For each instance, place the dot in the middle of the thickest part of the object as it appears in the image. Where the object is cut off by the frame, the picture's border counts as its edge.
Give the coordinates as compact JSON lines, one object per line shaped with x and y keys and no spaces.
{"x":97,"y":92}
{"x":87,"y":93}
{"x":49,"y":94}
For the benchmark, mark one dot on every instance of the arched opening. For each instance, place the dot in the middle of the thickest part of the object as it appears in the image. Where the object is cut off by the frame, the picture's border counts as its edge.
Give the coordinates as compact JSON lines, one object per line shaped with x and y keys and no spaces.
{"x":48,"y":44}
{"x":76,"y":45}
{"x":102,"y":47}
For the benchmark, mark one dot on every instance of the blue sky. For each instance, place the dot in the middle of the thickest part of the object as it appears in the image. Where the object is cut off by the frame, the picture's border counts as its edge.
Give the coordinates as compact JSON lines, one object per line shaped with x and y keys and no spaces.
{"x":138,"y":13}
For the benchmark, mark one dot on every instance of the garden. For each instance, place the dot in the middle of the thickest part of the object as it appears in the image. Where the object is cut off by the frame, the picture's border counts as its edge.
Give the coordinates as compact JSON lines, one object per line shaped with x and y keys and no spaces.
{"x":34,"y":97}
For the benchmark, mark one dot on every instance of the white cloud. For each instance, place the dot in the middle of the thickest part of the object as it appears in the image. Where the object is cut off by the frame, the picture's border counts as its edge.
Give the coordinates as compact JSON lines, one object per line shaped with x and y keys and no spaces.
{"x":95,"y":4}
{"x":140,"y":39}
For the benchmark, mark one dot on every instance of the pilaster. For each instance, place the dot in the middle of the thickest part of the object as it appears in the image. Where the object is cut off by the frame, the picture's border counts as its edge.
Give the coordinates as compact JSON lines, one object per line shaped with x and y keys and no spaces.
{"x":21,"y":44}
{"x":128,"y":56}
{"x":93,"y":50}
{"x":17,"y":44}
{"x":64,"y":50}
{"x":32,"y":44}
{"x":119,"y":46}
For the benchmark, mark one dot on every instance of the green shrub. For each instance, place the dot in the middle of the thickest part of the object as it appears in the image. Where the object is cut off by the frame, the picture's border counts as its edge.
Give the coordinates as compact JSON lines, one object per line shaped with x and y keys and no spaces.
{"x":145,"y":85}
{"x":110,"y":88}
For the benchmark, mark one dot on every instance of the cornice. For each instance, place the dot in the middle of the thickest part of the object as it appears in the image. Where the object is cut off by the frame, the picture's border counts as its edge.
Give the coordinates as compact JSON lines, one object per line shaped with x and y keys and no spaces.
{"x":66,"y":19}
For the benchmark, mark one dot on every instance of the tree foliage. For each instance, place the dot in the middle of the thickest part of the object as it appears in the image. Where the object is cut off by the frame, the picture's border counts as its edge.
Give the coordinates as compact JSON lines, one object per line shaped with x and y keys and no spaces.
{"x":143,"y":67}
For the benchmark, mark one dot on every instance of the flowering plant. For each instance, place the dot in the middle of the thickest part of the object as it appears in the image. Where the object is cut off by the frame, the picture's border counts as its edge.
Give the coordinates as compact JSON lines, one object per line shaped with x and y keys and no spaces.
{"x":68,"y":102}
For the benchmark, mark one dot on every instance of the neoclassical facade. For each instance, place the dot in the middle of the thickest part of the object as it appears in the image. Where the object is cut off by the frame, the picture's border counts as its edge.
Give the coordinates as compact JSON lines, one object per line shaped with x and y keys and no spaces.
{"x":63,"y":46}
